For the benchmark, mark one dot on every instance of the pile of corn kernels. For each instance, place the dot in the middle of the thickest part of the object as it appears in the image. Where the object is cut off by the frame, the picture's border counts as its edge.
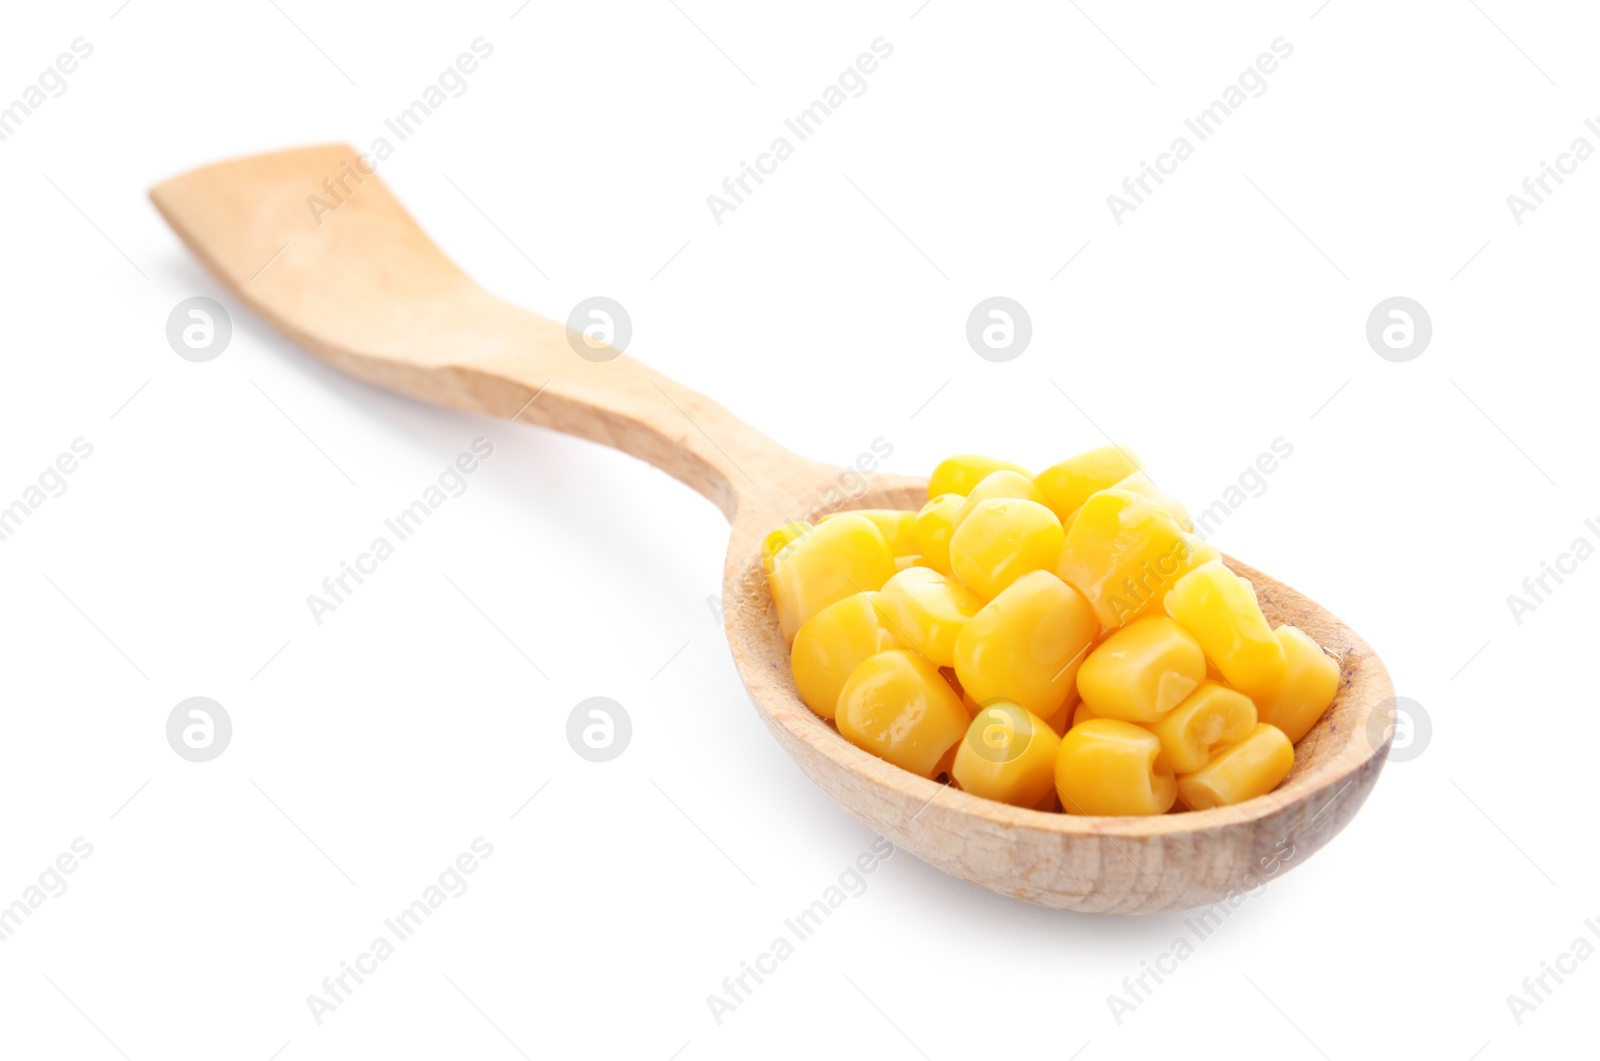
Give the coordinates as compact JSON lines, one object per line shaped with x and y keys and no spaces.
{"x":1059,"y":641}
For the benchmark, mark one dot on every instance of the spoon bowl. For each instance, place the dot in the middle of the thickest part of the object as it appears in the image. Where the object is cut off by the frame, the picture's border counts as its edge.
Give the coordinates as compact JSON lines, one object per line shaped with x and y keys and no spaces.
{"x":365,"y":289}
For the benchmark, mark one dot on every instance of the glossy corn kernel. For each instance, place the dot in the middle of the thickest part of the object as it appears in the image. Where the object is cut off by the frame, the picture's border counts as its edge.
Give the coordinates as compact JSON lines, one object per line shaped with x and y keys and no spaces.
{"x":1211,"y":717}
{"x":1113,"y":768}
{"x":1141,"y":484}
{"x":928,"y":611}
{"x":899,"y":529}
{"x":934,"y":525}
{"x":1201,"y":553}
{"x":774,"y":544}
{"x":1009,"y":755}
{"x":1001,"y":540}
{"x":1067,"y":485}
{"x":1083,"y":713}
{"x":840,"y":557}
{"x":833,"y":643}
{"x":898,"y":706}
{"x":1310,"y":680}
{"x":1026,"y":645}
{"x":1220,"y":610}
{"x":959,"y":474}
{"x":998,"y":486}
{"x":1142,"y":671}
{"x":1123,"y":553}
{"x":1253,"y":767}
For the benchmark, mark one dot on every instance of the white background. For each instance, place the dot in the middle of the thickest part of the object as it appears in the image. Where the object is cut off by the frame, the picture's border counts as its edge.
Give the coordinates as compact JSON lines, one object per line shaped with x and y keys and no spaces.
{"x":829,"y":310}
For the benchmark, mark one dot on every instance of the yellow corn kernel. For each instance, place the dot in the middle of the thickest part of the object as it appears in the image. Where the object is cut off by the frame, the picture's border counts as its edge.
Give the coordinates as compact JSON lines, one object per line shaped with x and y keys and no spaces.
{"x":959,"y":474}
{"x":840,"y":557}
{"x":1253,"y":767}
{"x":1026,"y":644}
{"x":1310,"y":680}
{"x":1082,"y":713}
{"x":833,"y":643}
{"x":1061,"y":721}
{"x":928,"y":611}
{"x":1068,"y":485}
{"x":1142,"y":671}
{"x":1144,"y":486}
{"x":773,"y":544}
{"x":1009,"y":755}
{"x":1209,"y":718}
{"x":1201,"y":553}
{"x":999,"y":485}
{"x":898,"y":706}
{"x":1123,"y":552}
{"x":1116,"y":768}
{"x":899,"y":529}
{"x":1001,"y":540}
{"x":934,"y":525}
{"x":1220,"y":610}
{"x":903,"y":562}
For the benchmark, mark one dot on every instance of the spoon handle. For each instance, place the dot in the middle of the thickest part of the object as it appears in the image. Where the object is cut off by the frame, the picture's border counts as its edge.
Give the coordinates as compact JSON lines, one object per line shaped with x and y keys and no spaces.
{"x":314,"y":242}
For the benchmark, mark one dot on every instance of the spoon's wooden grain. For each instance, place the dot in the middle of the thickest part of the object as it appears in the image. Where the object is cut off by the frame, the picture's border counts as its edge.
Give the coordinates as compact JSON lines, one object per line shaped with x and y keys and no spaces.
{"x":366,"y":290}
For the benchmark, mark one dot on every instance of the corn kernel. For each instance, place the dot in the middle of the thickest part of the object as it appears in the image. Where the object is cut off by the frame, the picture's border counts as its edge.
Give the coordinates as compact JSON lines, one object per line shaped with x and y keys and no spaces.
{"x":833,"y":643}
{"x":774,"y":544}
{"x":840,"y":557}
{"x":1209,"y":718}
{"x":1142,"y":671}
{"x":1114,"y":768}
{"x":1068,"y":485}
{"x":1082,"y":713}
{"x":1122,"y":552}
{"x":972,"y":706}
{"x":959,"y":474}
{"x":1061,"y":721}
{"x":1009,"y":755}
{"x":1220,"y":610}
{"x":898,"y":706}
{"x":1310,"y":680}
{"x":899,"y":529}
{"x":998,"y":486}
{"x":1026,"y":644}
{"x":1002,"y":539}
{"x":1253,"y":767}
{"x":1201,"y":553}
{"x":935,"y":523}
{"x":1144,"y":486}
{"x":928,"y":611}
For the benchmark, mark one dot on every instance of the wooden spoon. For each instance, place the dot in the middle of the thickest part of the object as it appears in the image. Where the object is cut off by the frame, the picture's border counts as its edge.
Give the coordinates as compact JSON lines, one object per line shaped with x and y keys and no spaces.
{"x":365,"y":289}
